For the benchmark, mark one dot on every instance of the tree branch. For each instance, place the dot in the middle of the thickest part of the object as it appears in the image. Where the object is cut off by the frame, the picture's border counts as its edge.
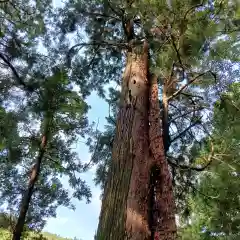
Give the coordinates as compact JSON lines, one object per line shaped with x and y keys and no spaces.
{"x":185,"y":130}
{"x":114,"y":10}
{"x":178,"y":56}
{"x":191,"y":9}
{"x":95,"y":150}
{"x":99,"y":15}
{"x":93,"y":43}
{"x":56,"y":162}
{"x":190,"y":82}
{"x":198,"y":169}
{"x":109,"y":114}
{"x":15,"y":73}
{"x":186,"y":167}
{"x":192,"y":96}
{"x":185,"y":114}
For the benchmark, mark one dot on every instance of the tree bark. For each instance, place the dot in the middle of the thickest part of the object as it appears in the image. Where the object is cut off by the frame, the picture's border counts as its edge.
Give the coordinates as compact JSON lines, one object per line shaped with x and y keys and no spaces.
{"x":132,"y":190}
{"x":18,"y":230}
{"x":163,"y":208}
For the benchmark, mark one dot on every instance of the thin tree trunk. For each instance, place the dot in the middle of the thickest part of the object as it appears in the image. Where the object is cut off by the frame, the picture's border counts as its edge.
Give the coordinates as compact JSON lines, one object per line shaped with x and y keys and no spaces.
{"x":33,"y":179}
{"x":133,"y":190}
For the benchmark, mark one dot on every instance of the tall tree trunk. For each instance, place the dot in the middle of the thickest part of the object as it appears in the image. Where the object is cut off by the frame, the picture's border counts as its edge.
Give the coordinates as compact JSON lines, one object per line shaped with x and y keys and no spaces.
{"x":129,"y":199}
{"x":163,"y":207}
{"x":32,"y":181}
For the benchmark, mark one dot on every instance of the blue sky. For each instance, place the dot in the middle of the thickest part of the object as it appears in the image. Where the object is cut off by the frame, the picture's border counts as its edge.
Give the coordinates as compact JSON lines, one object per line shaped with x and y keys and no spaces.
{"x":82,"y":223}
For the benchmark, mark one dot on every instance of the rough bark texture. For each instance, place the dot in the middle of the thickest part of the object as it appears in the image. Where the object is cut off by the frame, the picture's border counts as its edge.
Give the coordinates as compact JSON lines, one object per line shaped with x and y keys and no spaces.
{"x":139,"y":180}
{"x":163,"y":212}
{"x":124,"y":214}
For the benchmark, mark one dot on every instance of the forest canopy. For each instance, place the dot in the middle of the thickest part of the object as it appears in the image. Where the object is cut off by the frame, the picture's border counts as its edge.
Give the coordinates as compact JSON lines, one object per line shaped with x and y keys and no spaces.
{"x":53,"y":58}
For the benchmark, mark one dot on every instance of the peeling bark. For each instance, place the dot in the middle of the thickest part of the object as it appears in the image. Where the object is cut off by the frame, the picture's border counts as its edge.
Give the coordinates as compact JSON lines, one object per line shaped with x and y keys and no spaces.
{"x":134,"y":189}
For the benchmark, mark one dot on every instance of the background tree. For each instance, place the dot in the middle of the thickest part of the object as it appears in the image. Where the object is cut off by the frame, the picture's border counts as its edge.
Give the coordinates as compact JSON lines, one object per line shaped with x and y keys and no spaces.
{"x":187,"y":46}
{"x":214,"y":203}
{"x":42,"y":115}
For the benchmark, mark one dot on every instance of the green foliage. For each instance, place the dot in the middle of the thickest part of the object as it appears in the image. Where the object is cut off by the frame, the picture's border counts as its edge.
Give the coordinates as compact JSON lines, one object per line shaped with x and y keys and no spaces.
{"x":84,"y":44}
{"x":38,"y":99}
{"x":191,"y":41}
{"x":68,"y":121}
{"x":6,"y":235}
{"x":5,"y":231}
{"x":215,"y":204}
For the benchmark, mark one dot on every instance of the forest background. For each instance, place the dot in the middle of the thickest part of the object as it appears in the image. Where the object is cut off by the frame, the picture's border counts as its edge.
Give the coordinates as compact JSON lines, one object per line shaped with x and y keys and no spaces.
{"x":20,"y":108}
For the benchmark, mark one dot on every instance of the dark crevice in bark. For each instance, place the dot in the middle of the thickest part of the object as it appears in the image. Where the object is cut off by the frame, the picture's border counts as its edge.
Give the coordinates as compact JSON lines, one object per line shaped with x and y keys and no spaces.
{"x":150,"y":204}
{"x":165,"y":123}
{"x":153,"y":210}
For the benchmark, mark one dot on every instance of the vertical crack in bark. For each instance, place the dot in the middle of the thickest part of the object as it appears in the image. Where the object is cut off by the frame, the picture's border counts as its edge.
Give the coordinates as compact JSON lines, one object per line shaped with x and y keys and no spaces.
{"x":153,"y":211}
{"x":165,"y":122}
{"x":164,"y":222}
{"x":124,"y":206}
{"x":138,"y":201}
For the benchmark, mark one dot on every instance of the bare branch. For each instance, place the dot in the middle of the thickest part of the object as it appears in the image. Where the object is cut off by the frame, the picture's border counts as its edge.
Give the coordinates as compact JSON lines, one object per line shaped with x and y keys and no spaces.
{"x":94,"y":43}
{"x":102,"y":42}
{"x":190,"y":82}
{"x":186,"y":113}
{"x":185,"y":130}
{"x":192,"y":96}
{"x":99,"y":15}
{"x":87,"y":165}
{"x":15,"y":73}
{"x":192,"y":8}
{"x":198,"y":169}
{"x":93,"y":58}
{"x":186,"y":167}
{"x":178,"y":56}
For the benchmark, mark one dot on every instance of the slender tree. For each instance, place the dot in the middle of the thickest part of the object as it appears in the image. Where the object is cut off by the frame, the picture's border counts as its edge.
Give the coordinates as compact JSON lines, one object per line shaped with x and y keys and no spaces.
{"x":59,"y":111}
{"x":41,"y":117}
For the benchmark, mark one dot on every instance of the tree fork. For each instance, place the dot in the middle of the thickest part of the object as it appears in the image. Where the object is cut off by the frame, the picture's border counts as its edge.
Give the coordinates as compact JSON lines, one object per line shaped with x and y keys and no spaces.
{"x":126,"y":210}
